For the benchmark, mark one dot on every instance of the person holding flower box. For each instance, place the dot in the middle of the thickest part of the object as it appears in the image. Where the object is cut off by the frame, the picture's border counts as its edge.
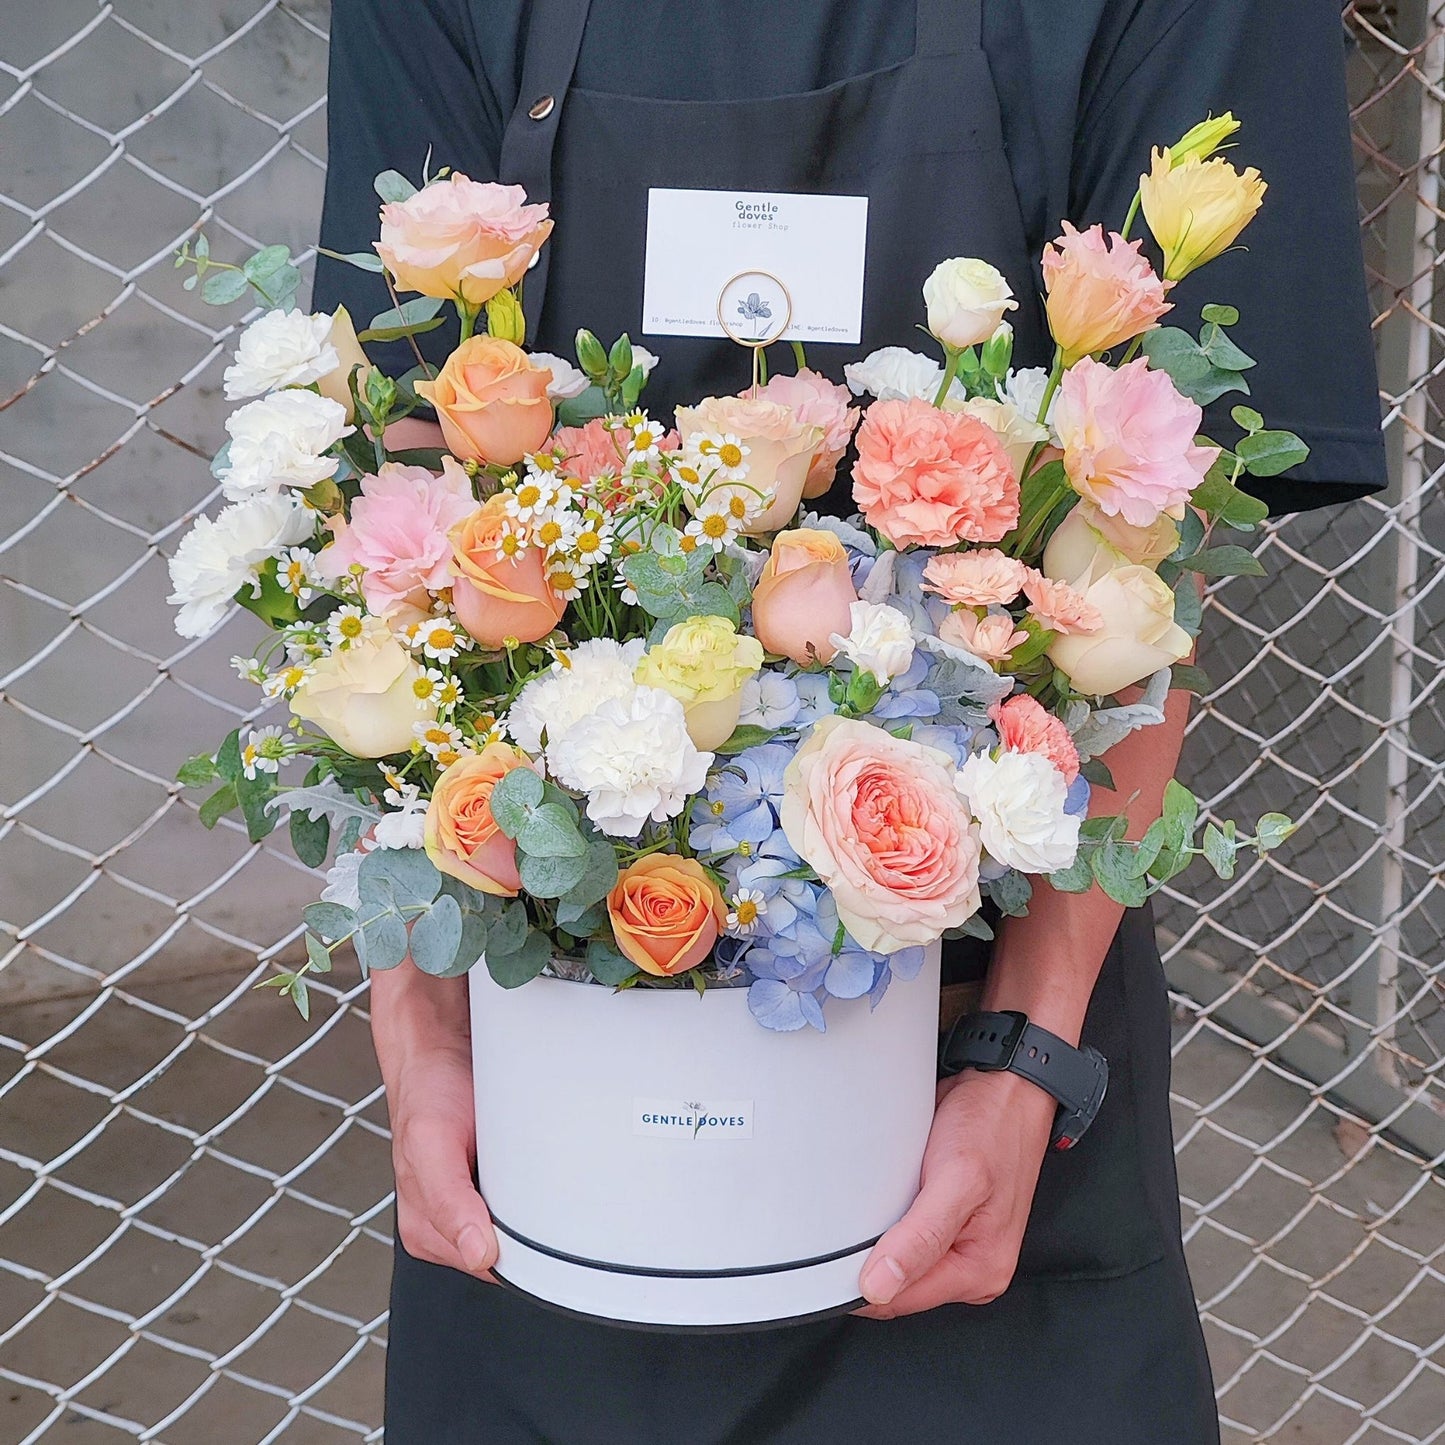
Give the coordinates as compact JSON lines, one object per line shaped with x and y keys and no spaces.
{"x":1028,"y":1295}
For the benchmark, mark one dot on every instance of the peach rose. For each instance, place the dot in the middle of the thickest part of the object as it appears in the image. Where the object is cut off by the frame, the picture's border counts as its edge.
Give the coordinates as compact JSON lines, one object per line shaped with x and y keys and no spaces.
{"x":803,"y":595}
{"x":499,"y":597}
{"x":816,"y":400}
{"x":781,"y":448}
{"x":1101,"y":292}
{"x":931,"y":477}
{"x":460,"y":238}
{"x":1026,"y":726}
{"x":462,"y":837}
{"x":880,"y":821}
{"x":491,"y":401}
{"x":666,"y":913}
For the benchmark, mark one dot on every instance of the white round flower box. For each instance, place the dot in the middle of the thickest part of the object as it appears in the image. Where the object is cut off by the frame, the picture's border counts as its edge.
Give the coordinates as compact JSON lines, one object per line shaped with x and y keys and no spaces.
{"x":655,"y":1158}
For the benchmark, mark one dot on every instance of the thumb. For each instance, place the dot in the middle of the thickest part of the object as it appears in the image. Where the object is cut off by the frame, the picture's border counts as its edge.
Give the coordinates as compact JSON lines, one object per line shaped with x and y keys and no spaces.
{"x":924,"y":1235}
{"x":459,"y":1216}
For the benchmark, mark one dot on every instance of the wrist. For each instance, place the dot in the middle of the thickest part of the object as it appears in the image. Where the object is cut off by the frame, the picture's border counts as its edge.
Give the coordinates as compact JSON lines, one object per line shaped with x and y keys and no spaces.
{"x":1008,"y":1095}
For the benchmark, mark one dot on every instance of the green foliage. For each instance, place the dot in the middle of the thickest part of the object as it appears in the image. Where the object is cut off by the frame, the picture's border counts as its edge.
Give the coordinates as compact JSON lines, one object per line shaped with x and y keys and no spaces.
{"x":1229,"y":561}
{"x":1271,"y":830}
{"x":521,"y":964}
{"x":742,"y":738}
{"x":436,"y":935}
{"x":1011,"y":893}
{"x":197,"y":771}
{"x":1268,"y":453}
{"x":393,"y":186}
{"x":330,"y":920}
{"x":411,"y":318}
{"x":514,"y":798}
{"x":1221,"y":501}
{"x":676,"y":588}
{"x":1202,"y":370}
{"x":607,"y":965}
{"x":218,"y":804}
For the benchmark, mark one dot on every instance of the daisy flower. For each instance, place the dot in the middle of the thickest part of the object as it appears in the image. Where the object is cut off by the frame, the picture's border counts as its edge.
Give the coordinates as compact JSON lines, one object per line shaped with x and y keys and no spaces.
{"x":440,"y":638}
{"x":440,"y":740}
{"x":555,"y":529}
{"x":592,"y":544}
{"x":724,"y":458}
{"x":746,"y":907}
{"x":714,"y":525}
{"x":625,"y":590}
{"x":531,"y":497}
{"x":265,"y":751}
{"x":646,"y":438}
{"x":568,"y":580}
{"x":426,"y":687}
{"x":285,"y":682}
{"x":249,"y":669}
{"x":345,"y":626}
{"x":296,"y":572}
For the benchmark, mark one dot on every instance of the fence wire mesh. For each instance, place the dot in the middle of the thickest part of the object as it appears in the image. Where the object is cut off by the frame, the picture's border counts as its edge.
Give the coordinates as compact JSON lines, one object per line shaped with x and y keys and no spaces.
{"x":195,"y":1188}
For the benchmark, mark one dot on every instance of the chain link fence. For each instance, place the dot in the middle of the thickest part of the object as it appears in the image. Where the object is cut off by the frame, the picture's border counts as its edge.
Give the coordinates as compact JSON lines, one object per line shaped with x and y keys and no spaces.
{"x":194,"y":1187}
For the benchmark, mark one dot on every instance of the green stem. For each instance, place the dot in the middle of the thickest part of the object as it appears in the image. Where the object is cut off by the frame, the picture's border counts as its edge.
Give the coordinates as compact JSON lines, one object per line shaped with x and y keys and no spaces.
{"x":800,"y":356}
{"x":762,"y":354}
{"x":1132,"y":216}
{"x":1056,"y":375}
{"x":1133,"y":350}
{"x":468,"y":316}
{"x":950,"y":369}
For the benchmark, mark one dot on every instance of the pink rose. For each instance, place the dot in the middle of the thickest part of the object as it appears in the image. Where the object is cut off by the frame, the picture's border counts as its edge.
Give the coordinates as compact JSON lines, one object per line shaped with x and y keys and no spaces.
{"x":1128,"y":439}
{"x":931,"y":477}
{"x":398,"y":533}
{"x":1101,"y":293}
{"x":1026,"y":726}
{"x":815,"y":400}
{"x":803,"y":595}
{"x":781,"y":448}
{"x":990,"y":637}
{"x":975,"y":579}
{"x":880,"y":822}
{"x":491,"y":401}
{"x":461,"y":238}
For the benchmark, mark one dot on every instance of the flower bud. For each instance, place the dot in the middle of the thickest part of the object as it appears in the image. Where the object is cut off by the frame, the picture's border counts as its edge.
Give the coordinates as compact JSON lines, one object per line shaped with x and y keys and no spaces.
{"x":505,"y":319}
{"x":590,"y":355}
{"x":1202,"y":140}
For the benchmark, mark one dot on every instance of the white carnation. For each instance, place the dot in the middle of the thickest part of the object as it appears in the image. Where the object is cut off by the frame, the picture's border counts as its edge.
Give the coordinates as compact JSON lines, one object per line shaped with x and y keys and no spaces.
{"x":567,"y":381}
{"x":1024,"y":390}
{"x":879,"y":640}
{"x":642,"y":357}
{"x":896,"y":374}
{"x":279,"y":441}
{"x":282,"y":348}
{"x":633,"y":758}
{"x":220,"y":555}
{"x":1018,"y":799}
{"x":593,"y":672}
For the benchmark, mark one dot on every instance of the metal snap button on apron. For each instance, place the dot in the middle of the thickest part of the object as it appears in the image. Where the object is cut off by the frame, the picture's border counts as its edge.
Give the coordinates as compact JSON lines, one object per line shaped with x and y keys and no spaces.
{"x":543,"y":107}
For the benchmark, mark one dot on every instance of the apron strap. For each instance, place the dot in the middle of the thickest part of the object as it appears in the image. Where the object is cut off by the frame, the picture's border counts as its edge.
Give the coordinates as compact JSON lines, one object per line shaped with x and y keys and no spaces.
{"x":554,"y":39}
{"x":948,"y":27}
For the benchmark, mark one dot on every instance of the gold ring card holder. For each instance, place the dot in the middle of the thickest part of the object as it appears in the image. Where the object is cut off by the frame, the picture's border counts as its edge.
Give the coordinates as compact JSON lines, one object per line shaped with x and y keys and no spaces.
{"x":754,"y":309}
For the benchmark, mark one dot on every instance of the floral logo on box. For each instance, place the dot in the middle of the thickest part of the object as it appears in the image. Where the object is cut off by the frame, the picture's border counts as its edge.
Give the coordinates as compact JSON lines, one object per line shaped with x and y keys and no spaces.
{"x":694,"y":1119}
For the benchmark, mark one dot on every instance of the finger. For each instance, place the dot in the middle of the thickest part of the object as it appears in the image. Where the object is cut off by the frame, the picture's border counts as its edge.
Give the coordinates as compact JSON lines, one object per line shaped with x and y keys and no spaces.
{"x":925,"y":1234}
{"x":450,"y":1203}
{"x":423,"y":1242}
{"x":970,"y":1276}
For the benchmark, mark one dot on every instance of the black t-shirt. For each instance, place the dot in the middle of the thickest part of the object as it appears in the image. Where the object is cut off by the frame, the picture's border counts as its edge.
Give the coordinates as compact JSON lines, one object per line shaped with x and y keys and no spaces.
{"x":1085,"y":88}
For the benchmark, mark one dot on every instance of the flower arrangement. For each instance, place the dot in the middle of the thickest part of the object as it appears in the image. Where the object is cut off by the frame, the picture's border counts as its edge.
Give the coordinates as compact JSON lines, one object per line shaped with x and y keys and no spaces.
{"x":596,"y":693}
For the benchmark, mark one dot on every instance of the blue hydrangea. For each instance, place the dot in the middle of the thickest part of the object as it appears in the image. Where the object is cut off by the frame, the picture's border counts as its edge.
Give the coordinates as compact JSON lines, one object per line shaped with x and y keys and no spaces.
{"x":739,"y":807}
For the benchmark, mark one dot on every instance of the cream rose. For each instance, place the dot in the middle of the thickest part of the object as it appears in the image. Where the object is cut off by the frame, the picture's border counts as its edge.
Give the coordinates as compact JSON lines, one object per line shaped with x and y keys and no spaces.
{"x":362,"y":697}
{"x":781,"y":449}
{"x":1086,"y":532}
{"x":966,"y":300}
{"x":879,"y":820}
{"x":703,"y":663}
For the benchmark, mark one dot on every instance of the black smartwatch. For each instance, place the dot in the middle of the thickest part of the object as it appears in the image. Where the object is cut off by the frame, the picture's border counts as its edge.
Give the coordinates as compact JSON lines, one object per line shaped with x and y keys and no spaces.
{"x":1077,"y":1078}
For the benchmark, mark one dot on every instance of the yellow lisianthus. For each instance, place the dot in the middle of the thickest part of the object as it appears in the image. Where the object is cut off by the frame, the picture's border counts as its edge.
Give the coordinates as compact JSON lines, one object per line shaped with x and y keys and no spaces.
{"x":703,"y":663}
{"x":1202,"y":140}
{"x":1197,"y":208}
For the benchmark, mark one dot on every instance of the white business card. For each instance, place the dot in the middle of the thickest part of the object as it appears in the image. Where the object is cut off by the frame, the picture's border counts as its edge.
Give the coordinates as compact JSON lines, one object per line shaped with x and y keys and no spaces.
{"x":698,"y":242}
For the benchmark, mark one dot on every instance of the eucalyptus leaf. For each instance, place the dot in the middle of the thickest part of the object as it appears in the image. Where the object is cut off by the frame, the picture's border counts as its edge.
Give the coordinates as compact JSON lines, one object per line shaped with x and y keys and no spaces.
{"x":1228,"y":561}
{"x":409,"y":313}
{"x":523,"y":963}
{"x":1112,"y":867}
{"x":549,"y":875}
{"x":507,"y":929}
{"x":607,"y":965}
{"x":549,"y":833}
{"x":1078,"y":877}
{"x":743,"y":737}
{"x":1188,"y":606}
{"x":597,"y":881}
{"x":393,"y":186}
{"x":436,"y":935}
{"x":1219,"y":851}
{"x":1011,"y":893}
{"x":514,"y":796}
{"x":1147,"y":849}
{"x":1272,"y":829}
{"x":218,"y":804}
{"x":317,"y":955}
{"x":1190,"y":678}
{"x":300,"y":995}
{"x":330,"y":920}
{"x":383,"y":940}
{"x":1268,"y":453}
{"x":221,"y":288}
{"x":362,"y":260}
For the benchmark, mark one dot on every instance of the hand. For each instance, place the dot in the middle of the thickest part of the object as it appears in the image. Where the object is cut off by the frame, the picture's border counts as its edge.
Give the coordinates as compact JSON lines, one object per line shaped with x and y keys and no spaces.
{"x":959,"y":1243}
{"x":439,"y":1214}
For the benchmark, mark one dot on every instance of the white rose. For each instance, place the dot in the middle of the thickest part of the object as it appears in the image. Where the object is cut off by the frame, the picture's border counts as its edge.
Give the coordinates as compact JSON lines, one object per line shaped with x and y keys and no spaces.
{"x":282,"y":348}
{"x":1018,"y":433}
{"x":642,"y":357}
{"x":593,"y":673}
{"x":634,"y":759}
{"x":220,"y":555}
{"x":1018,"y":799}
{"x":279,"y":441}
{"x":893,"y":373}
{"x":1025,"y":390}
{"x":362,"y":696}
{"x":966,"y":300}
{"x":567,"y":381}
{"x":1086,"y":534}
{"x":879,"y":640}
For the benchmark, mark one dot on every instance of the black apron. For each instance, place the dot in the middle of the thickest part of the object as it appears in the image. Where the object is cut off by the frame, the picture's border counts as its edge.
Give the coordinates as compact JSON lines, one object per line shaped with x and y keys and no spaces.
{"x":1097,"y":1341}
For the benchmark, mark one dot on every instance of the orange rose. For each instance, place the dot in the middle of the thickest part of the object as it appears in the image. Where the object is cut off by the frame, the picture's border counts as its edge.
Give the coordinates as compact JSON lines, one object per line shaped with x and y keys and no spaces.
{"x":499,"y":597}
{"x":803,"y":595}
{"x":666,"y":913}
{"x":491,"y":400}
{"x":462,"y":837}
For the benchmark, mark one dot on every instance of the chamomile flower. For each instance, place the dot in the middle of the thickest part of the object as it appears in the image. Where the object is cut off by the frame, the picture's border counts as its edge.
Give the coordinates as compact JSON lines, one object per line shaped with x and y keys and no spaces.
{"x":449,"y":693}
{"x":286,"y":681}
{"x":249,"y":669}
{"x":568,"y":580}
{"x":296,"y":572}
{"x":646,"y":439}
{"x":532,"y":496}
{"x":738,"y":500}
{"x":439,"y":638}
{"x":426,"y":688}
{"x":686,"y":474}
{"x":264,"y":751}
{"x":440,"y":740}
{"x":543,"y":466}
{"x":555,"y":529}
{"x":625,"y":590}
{"x":593,"y":542}
{"x":346,"y":625}
{"x":305,"y":641}
{"x":721,"y":458}
{"x":745,"y":909}
{"x":713,"y":525}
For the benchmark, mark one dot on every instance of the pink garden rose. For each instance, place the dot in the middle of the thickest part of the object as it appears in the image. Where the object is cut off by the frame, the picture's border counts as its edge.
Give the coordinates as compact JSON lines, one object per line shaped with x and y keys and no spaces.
{"x":975,"y":579}
{"x":461,"y":238}
{"x":1026,"y":726}
{"x":1128,"y":439}
{"x":398,"y":534}
{"x":879,"y":820}
{"x":815,"y":400}
{"x":931,"y":477}
{"x":1101,"y":292}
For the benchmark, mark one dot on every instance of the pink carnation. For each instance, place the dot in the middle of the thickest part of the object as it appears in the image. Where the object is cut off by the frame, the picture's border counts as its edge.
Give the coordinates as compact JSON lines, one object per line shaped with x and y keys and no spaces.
{"x":931,"y":477}
{"x":1128,"y":439}
{"x":1101,"y":292}
{"x":591,"y":451}
{"x":397,"y":533}
{"x":991,"y":637}
{"x":1025,"y":726}
{"x":975,"y":579}
{"x":816,"y":401}
{"x":1059,"y":607}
